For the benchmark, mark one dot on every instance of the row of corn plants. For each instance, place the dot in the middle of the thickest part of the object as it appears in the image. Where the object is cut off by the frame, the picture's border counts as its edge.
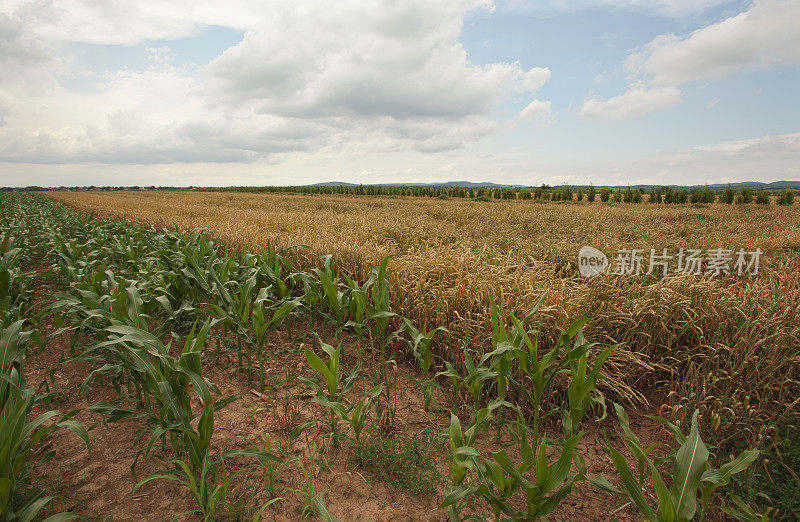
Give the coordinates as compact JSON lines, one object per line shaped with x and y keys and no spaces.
{"x":23,"y":427}
{"x":129,"y":293}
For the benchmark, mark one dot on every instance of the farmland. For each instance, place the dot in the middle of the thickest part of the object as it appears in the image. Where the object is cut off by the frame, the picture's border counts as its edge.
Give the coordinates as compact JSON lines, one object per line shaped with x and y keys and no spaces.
{"x":722,"y":338}
{"x":333,"y":352}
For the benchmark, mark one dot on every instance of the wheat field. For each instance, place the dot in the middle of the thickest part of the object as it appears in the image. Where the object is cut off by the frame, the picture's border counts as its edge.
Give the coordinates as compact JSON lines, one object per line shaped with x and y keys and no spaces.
{"x":729,"y":345}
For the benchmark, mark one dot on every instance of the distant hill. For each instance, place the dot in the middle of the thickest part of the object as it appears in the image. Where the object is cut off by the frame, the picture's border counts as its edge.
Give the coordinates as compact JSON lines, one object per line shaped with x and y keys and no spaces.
{"x":333,"y":184}
{"x":464,"y":184}
{"x":757,"y":185}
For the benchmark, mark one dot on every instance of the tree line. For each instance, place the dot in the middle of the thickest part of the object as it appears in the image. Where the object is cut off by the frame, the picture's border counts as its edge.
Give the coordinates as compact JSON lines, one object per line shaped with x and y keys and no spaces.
{"x":656,"y":194}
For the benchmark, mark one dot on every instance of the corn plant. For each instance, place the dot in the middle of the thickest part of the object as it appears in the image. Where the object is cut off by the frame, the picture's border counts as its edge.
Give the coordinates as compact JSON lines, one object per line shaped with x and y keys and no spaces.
{"x":582,"y":390}
{"x":331,"y":296}
{"x":15,"y":289}
{"x":692,"y":475}
{"x":420,"y":344}
{"x":20,"y":435}
{"x":357,"y":301}
{"x":234,"y":308}
{"x":170,"y":383}
{"x":472,"y":380}
{"x":356,"y":413}
{"x":329,"y":386}
{"x":537,"y":372}
{"x":496,"y":478}
{"x":266,"y":320}
{"x":246,"y":312}
{"x":502,"y":356}
{"x":379,"y":312}
{"x":544,"y":491}
{"x":279,"y":273}
{"x":456,"y":383}
{"x":475,"y":377}
{"x":465,"y":464}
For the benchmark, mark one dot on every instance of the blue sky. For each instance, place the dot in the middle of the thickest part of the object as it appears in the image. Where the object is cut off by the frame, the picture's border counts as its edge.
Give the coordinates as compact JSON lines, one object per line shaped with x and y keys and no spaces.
{"x":553,"y":91}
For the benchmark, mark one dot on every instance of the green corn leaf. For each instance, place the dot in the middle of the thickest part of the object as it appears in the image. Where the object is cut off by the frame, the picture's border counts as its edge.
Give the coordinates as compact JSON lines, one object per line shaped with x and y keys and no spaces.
{"x":722,"y":475}
{"x":690,"y":463}
{"x":322,"y":510}
{"x":631,"y":485}
{"x":317,"y":364}
{"x":455,"y":494}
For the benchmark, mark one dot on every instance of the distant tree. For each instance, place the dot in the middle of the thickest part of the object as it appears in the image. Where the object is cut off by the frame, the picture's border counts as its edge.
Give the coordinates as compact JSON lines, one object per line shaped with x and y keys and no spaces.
{"x":786,"y":197}
{"x":605,"y":194}
{"x":703,"y":195}
{"x":655,"y":195}
{"x":591,"y":193}
{"x":579,"y":195}
{"x":525,"y":194}
{"x":762,"y":197}
{"x":627,"y":196}
{"x":728,"y":195}
{"x":745,"y":196}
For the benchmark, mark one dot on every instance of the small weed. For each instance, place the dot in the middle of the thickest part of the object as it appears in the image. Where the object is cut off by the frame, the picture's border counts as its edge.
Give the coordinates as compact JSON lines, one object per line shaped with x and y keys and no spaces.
{"x":406,"y":461}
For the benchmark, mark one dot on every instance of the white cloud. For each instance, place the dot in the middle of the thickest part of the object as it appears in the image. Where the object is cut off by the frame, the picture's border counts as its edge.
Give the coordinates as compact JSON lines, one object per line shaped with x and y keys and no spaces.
{"x":130,"y":22}
{"x":535,"y":78}
{"x":399,"y":60}
{"x":763,"y":35}
{"x":535,"y":110}
{"x":637,"y":100}
{"x":356,"y":75}
{"x":23,"y":59}
{"x":667,"y":8}
{"x":766,"y":145}
{"x":766,"y":34}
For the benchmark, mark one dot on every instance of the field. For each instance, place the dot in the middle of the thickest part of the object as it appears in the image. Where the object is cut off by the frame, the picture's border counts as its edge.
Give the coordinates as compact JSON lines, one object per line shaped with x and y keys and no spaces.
{"x":686,"y":337}
{"x":286,"y":384}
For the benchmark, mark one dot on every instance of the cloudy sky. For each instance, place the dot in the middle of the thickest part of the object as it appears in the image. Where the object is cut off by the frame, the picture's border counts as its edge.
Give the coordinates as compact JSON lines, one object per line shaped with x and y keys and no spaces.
{"x":187,"y":92}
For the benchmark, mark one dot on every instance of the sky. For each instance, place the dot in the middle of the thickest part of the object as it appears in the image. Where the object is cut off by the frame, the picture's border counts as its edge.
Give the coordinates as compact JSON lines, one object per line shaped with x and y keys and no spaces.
{"x":188,"y":92}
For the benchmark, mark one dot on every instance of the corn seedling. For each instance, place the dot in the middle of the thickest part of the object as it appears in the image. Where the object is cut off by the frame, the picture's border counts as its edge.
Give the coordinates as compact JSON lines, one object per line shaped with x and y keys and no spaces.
{"x":329,"y":386}
{"x":20,"y":435}
{"x":420,"y":344}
